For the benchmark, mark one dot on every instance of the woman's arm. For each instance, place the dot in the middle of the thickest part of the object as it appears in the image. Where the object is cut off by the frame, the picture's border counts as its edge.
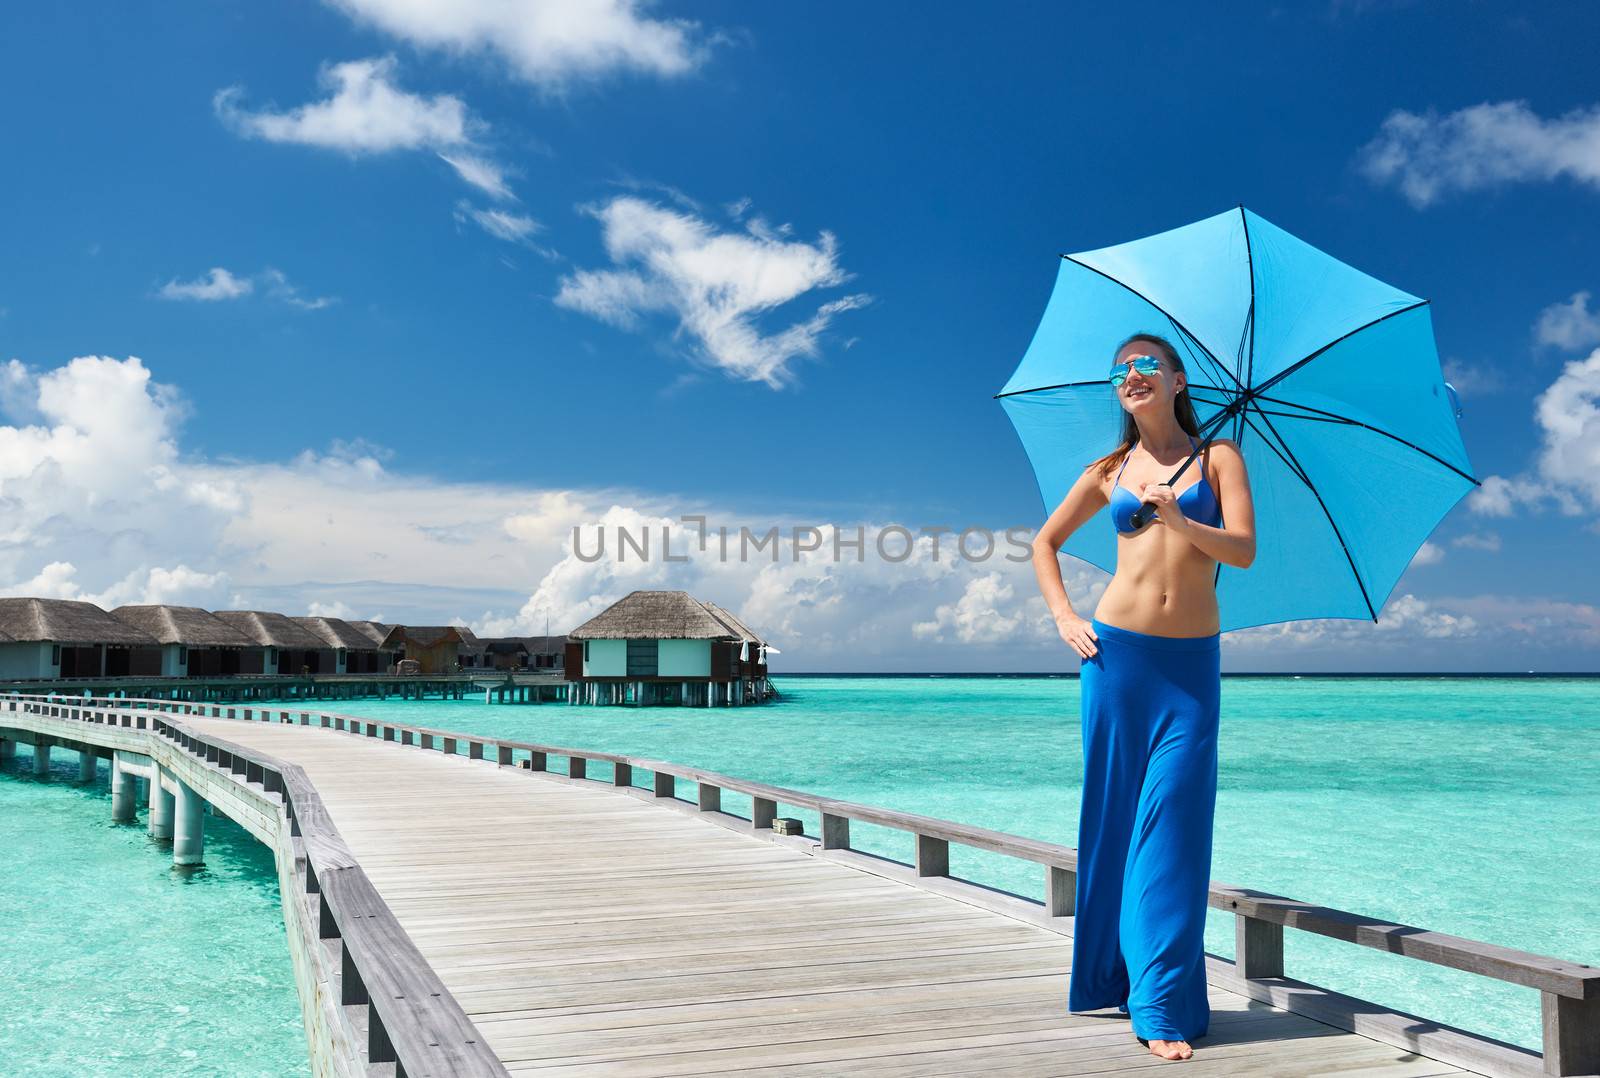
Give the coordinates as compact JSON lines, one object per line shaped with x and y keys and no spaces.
{"x":1236,"y":544}
{"x":1083,"y":501}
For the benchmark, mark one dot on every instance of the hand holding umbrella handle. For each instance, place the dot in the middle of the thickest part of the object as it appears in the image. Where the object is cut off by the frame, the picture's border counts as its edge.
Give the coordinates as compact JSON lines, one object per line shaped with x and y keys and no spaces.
{"x":1143,"y":515}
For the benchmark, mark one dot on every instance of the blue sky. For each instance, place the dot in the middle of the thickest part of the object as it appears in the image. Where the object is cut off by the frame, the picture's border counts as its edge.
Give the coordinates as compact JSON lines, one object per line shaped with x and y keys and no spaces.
{"x":766,"y":263}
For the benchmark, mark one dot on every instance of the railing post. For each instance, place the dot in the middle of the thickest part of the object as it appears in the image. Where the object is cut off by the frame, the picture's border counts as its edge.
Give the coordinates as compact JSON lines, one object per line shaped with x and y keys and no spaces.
{"x":1257,"y":947}
{"x":577,"y":767}
{"x":503,"y":754}
{"x":666,"y":784}
{"x":710,"y":797}
{"x":622,"y":775}
{"x":1571,"y":1034}
{"x":763,"y":810}
{"x":933,"y":856}
{"x":835,"y":832}
{"x":1060,"y":891}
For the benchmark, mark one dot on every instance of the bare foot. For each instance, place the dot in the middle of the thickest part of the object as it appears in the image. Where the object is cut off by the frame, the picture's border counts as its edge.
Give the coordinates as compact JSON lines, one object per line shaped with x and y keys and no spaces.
{"x":1171,"y":1049}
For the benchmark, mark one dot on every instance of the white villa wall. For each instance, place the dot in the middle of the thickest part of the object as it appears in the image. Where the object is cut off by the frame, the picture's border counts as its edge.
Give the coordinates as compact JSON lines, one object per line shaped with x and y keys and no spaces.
{"x":684,"y":658}
{"x":605,"y":658}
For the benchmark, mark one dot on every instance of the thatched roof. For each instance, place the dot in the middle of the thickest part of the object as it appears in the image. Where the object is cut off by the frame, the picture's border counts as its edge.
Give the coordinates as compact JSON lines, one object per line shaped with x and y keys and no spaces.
{"x":429,"y":636}
{"x":533,"y":645}
{"x":338,"y":633}
{"x":272,"y":630}
{"x":186,"y":625}
{"x":375,"y":630}
{"x":66,"y":621}
{"x":662,"y":615}
{"x":726,"y":616}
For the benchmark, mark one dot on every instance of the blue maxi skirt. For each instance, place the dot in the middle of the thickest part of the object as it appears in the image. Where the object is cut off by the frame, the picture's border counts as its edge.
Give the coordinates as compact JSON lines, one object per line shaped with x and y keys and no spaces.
{"x":1150,"y":713}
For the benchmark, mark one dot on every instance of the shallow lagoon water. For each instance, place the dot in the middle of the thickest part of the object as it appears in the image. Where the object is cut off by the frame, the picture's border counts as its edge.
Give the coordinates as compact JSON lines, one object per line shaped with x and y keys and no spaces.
{"x":1459,"y":805}
{"x":112,"y":963}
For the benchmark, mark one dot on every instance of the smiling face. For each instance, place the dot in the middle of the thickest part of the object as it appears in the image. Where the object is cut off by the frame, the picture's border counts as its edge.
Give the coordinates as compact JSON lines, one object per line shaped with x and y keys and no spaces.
{"x":1140,"y":394}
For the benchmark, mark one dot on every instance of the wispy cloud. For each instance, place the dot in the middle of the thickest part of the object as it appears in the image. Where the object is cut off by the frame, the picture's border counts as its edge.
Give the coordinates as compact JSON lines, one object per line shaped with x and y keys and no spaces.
{"x":217,"y":284}
{"x":501,"y":224}
{"x":716,"y":284}
{"x":545,"y":42}
{"x":1427,"y":155}
{"x":482,"y":173}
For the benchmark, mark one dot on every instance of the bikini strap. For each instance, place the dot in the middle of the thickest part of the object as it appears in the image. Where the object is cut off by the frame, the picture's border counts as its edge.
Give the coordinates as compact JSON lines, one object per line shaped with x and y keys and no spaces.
{"x":1125,"y":457}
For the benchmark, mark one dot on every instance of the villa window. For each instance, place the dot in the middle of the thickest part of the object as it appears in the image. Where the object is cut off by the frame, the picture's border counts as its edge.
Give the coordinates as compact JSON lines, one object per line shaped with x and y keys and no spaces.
{"x":183,"y":656}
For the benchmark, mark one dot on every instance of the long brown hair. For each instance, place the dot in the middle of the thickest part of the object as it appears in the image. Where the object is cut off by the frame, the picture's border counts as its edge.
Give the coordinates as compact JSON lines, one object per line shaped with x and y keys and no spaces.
{"x":1182,"y":406}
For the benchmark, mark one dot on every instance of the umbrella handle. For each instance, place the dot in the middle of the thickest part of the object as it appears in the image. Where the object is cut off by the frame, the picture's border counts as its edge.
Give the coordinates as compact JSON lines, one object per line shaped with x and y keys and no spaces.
{"x":1143,"y":515}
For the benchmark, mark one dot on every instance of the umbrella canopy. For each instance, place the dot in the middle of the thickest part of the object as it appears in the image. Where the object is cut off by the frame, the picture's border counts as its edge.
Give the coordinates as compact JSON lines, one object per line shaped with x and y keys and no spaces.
{"x":1326,"y":378}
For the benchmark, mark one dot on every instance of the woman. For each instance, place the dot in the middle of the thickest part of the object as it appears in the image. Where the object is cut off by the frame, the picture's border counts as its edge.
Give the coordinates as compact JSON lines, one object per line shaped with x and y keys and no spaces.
{"x":1151,"y":681}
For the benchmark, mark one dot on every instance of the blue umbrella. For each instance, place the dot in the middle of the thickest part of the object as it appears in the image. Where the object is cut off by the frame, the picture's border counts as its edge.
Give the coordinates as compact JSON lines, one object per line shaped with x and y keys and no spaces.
{"x":1328,"y":380}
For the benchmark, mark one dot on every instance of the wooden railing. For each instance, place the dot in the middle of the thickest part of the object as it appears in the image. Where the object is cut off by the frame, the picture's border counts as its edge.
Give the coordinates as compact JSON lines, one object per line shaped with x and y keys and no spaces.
{"x":411,"y":1019}
{"x":1569,"y":991}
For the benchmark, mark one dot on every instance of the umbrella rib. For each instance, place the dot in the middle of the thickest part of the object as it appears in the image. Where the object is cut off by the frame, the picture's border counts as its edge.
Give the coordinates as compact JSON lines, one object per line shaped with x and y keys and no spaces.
{"x":1281,"y":375}
{"x":1300,"y":472}
{"x":1122,"y":284}
{"x":1335,"y":417}
{"x":1250,"y":321}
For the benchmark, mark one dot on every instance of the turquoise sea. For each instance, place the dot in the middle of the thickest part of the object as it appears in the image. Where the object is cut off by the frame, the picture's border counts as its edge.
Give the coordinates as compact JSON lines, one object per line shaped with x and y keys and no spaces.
{"x":1459,"y":805}
{"x":112,"y":963}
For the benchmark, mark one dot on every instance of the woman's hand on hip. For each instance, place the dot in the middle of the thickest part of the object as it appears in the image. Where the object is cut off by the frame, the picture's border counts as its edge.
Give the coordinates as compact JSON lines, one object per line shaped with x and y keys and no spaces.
{"x":1078,"y":634}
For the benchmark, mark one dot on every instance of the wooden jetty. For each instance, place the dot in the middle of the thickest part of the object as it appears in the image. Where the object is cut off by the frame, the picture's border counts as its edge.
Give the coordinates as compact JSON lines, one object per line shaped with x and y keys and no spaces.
{"x":506,"y":687}
{"x":456,"y":907}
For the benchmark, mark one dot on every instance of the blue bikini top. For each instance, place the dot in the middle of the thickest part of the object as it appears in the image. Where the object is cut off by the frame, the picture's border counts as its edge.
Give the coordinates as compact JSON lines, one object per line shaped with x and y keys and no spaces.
{"x":1198,"y":501}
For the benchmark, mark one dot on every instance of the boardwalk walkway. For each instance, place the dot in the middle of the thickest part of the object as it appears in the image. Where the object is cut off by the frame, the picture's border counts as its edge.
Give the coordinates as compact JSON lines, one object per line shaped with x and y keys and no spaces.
{"x":586,"y":932}
{"x":456,"y":907}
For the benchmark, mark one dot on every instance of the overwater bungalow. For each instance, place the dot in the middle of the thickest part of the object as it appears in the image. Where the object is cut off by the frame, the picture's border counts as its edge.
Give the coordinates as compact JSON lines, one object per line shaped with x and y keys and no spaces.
{"x":65,"y":638}
{"x":666,"y":647}
{"x":545,"y":653}
{"x":355,"y":650}
{"x":440,"y":649}
{"x":283,"y":645}
{"x":190,"y":642}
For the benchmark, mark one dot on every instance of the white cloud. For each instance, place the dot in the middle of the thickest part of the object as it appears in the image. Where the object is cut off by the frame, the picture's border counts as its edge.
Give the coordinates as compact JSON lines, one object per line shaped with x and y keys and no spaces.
{"x":1571,"y":325}
{"x":281,"y":288}
{"x":1402,"y":617}
{"x":1568,"y":412}
{"x":1488,"y":541}
{"x":486,"y":175}
{"x":97,"y":501}
{"x":511,"y":227}
{"x":985,"y":613}
{"x":1427,"y":554}
{"x":365,"y":113}
{"x":1484,"y":146}
{"x":1568,"y":466}
{"x":545,"y":42}
{"x":716,"y":284}
{"x":218,"y":284}
{"x":1472,"y":379}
